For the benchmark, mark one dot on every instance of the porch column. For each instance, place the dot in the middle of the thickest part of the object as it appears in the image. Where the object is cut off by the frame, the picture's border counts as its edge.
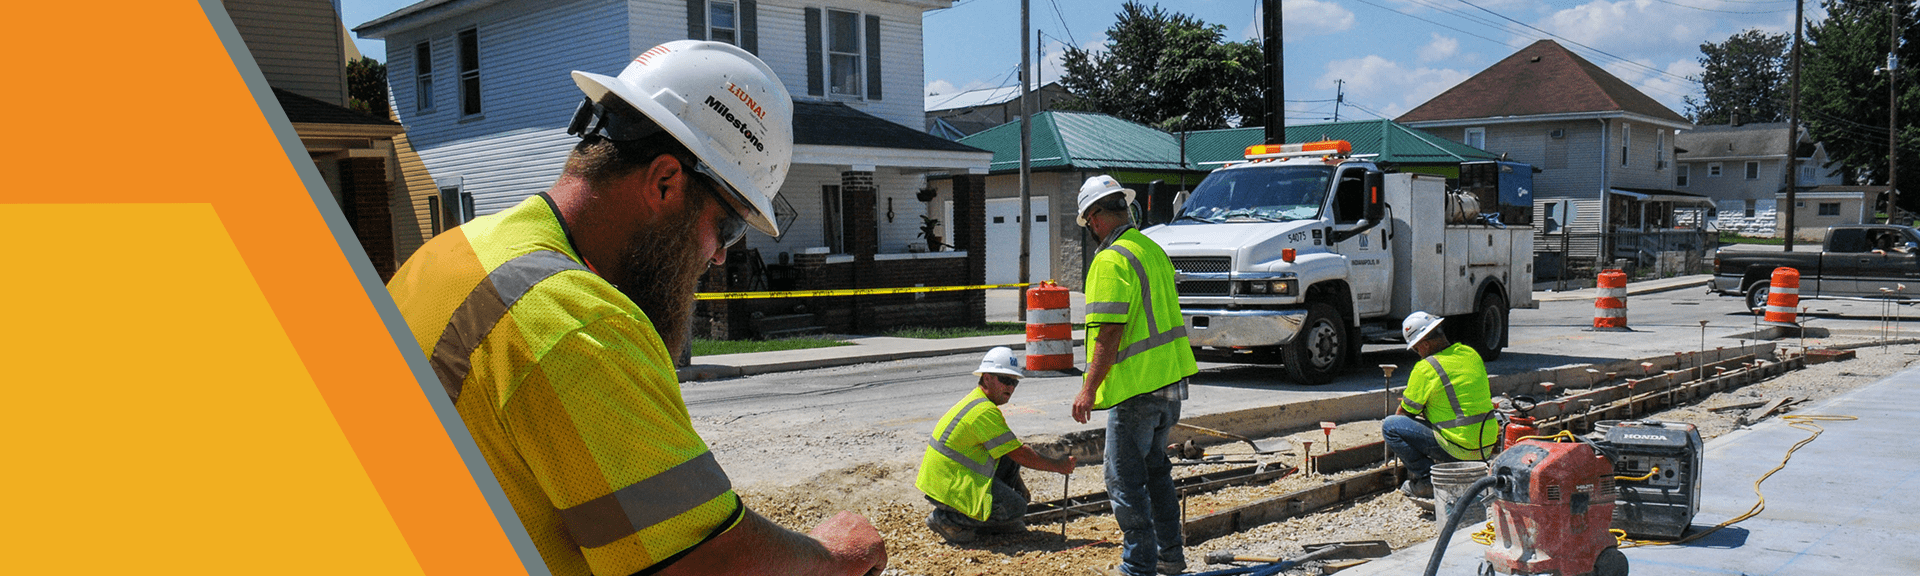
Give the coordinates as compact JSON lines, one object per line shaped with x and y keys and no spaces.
{"x":969,"y":233}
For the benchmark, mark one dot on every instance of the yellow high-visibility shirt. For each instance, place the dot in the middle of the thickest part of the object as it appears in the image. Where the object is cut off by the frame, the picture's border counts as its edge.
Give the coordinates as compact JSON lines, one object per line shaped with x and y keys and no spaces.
{"x":966,"y":446}
{"x":568,"y":392}
{"x":1458,"y":405}
{"x":1131,"y":282}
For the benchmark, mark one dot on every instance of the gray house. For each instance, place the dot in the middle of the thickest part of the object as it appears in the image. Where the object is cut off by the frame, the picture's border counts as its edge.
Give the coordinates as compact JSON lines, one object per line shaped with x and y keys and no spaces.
{"x":482,"y":87}
{"x":1739,"y":168}
{"x":1605,"y":150}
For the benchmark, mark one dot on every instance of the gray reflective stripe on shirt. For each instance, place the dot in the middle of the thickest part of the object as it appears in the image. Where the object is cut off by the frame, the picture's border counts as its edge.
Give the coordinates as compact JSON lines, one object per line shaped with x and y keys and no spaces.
{"x":939,"y":444}
{"x":1114,"y":308}
{"x":1453,"y":399}
{"x":1155,"y":338}
{"x":998,"y":441}
{"x":641,"y":505}
{"x":484,"y":307}
{"x":1416,"y":406}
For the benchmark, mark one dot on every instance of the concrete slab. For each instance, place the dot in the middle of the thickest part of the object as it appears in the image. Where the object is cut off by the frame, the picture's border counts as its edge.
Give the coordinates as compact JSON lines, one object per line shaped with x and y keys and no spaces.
{"x":1843,"y":504}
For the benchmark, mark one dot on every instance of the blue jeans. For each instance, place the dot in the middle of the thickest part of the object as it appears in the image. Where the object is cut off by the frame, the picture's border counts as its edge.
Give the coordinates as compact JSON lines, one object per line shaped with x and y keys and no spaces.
{"x":1414,"y":443}
{"x":1140,"y":482}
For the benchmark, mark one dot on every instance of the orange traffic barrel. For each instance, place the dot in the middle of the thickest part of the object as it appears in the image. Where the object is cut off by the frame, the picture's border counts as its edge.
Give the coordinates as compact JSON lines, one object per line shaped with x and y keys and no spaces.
{"x":1610,"y":307}
{"x":1049,"y":328}
{"x":1783,"y":297}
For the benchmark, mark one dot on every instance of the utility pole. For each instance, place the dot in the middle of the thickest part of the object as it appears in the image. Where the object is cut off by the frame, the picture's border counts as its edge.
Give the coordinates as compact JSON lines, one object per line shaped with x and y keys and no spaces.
{"x":1276,"y":114}
{"x":1026,"y":164}
{"x":1793,"y":124}
{"x":1893,"y":111}
{"x":1339,"y":96}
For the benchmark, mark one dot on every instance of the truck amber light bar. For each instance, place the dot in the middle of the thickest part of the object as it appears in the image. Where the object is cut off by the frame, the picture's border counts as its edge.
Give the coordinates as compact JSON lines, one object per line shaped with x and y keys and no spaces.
{"x":1321,"y":148}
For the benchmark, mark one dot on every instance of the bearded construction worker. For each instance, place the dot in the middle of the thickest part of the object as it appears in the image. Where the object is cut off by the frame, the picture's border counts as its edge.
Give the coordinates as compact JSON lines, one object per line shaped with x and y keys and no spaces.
{"x":551,"y":325}
{"x":971,"y":470}
{"x":1137,"y":369}
{"x":1446,"y":412}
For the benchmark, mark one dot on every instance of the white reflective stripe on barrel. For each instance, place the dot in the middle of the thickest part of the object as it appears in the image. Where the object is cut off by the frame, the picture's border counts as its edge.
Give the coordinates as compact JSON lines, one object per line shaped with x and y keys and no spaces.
{"x":1052,"y":316}
{"x":1049,"y":347}
{"x":1613,"y":292}
{"x":1610,"y":313}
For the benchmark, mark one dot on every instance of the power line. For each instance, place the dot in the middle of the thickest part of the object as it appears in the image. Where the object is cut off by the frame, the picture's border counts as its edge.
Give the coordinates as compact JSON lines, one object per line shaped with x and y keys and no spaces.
{"x":1063,"y":22}
{"x":1396,"y":11}
{"x":1557,"y":36}
{"x":1671,"y":2}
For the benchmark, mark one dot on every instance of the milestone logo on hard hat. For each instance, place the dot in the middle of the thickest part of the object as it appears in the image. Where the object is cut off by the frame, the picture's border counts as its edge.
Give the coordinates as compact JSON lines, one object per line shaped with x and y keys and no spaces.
{"x":721,"y":108}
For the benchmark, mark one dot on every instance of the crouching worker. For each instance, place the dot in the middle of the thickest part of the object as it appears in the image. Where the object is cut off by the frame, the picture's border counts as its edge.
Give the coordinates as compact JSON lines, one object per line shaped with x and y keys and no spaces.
{"x":971,"y":471}
{"x":1446,"y":412}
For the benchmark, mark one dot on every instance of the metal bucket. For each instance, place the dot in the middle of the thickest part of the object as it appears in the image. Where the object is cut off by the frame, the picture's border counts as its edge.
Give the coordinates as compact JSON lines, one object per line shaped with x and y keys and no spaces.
{"x":1450,"y":481}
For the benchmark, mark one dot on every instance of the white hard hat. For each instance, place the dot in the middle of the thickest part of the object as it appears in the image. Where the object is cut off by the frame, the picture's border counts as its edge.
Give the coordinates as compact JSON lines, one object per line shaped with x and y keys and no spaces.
{"x":1096,"y":188}
{"x":724,"y":105}
{"x":1416,"y":327}
{"x":1000,"y":360}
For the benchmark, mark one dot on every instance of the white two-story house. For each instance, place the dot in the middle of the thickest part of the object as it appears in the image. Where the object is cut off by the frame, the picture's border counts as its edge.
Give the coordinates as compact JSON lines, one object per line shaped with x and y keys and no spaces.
{"x":483,"y":88}
{"x":1739,"y":167}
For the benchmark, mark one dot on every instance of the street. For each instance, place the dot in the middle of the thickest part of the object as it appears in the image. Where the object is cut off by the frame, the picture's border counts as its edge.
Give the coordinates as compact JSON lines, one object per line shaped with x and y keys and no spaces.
{"x":783,"y":427}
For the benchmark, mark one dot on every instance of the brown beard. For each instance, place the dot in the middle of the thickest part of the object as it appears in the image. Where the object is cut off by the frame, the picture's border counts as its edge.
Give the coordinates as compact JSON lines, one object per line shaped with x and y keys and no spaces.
{"x":662,"y":270}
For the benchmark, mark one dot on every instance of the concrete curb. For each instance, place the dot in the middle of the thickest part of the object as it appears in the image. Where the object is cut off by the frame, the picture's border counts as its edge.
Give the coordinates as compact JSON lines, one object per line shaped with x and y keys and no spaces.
{"x":1633,"y":289}
{"x":885,"y":350}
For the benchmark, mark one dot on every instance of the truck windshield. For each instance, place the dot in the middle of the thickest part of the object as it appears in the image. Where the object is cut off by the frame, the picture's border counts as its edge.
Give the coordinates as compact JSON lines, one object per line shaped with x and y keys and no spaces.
{"x":1259,"y":194}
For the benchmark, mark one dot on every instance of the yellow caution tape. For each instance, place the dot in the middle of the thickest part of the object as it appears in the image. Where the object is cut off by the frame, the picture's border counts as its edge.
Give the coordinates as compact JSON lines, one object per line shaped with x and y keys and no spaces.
{"x":846,"y":292}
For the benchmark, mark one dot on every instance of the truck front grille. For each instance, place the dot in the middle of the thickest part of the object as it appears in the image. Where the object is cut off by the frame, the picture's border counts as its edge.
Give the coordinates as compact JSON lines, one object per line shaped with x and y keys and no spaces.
{"x":1203,"y":288}
{"x":1202,"y":264}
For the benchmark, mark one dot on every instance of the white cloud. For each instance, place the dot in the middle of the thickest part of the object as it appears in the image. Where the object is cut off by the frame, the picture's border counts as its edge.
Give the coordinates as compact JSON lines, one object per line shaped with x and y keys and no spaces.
{"x":1303,"y":18}
{"x":1388,"y":87}
{"x":939,"y":87}
{"x":1441,"y":48}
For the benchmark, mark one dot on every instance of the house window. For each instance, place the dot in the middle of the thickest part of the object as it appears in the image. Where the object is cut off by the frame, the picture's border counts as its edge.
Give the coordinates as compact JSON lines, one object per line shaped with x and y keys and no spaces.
{"x":469,"y":72}
{"x":1659,"y":149}
{"x":1829,"y":208}
{"x":434,"y":217}
{"x":456,"y":206}
{"x":1476,"y":137}
{"x":722,"y":23}
{"x":1684,"y":173}
{"x":423,"y":76}
{"x":1753,"y":170}
{"x":831,"y":212}
{"x":1749,"y":210}
{"x":1626,"y":141}
{"x":1713,"y":169}
{"x":1806,"y":175}
{"x":844,"y":62}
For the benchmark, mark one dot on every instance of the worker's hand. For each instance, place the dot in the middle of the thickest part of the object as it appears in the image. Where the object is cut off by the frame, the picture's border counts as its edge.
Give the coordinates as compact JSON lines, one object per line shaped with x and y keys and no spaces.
{"x":855,"y":545}
{"x":1069,"y":464}
{"x":1083,"y":406}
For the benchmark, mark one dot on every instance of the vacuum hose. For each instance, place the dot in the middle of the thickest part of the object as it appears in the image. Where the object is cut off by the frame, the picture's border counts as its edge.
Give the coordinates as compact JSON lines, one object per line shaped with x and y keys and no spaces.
{"x":1453,"y":520}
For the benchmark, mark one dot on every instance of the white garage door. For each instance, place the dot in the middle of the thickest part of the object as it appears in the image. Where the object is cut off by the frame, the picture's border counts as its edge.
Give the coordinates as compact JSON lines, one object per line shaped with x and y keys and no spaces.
{"x":1003,"y":240}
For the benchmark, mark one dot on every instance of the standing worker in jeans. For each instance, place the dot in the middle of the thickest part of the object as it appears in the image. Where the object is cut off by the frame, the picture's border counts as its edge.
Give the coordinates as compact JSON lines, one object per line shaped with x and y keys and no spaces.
{"x":1446,"y":412}
{"x":971,"y":470}
{"x":551,"y":325}
{"x":1137,"y":368}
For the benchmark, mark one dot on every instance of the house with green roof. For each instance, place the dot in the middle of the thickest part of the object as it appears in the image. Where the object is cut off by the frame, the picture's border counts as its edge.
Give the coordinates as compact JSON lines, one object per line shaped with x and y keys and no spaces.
{"x":1069,"y":147}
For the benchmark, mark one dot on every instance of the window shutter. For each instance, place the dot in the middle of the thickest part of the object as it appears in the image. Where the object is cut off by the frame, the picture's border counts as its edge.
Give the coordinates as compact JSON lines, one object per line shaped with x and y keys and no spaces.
{"x":873,"y":57}
{"x":697,"y":19}
{"x":750,"y":26}
{"x":816,"y":80}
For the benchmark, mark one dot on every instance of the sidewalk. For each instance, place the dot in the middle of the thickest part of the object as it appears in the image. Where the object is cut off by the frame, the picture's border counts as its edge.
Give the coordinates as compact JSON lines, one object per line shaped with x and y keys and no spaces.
{"x":1843,"y":505}
{"x":1003,"y":305}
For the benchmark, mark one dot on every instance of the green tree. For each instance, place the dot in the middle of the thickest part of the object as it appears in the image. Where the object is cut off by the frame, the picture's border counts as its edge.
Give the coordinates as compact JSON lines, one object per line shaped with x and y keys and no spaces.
{"x":1843,"y":99}
{"x":1160,"y":65}
{"x":367,"y":86}
{"x":1745,"y":78}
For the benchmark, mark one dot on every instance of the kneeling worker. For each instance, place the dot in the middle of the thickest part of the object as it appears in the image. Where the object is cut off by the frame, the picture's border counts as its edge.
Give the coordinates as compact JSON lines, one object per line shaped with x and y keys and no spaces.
{"x":1446,"y":412}
{"x":971,"y":471}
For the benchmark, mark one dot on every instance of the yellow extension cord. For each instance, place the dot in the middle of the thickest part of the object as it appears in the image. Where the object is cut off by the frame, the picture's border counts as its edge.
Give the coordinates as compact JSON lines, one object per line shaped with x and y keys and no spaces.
{"x":1804,"y":422}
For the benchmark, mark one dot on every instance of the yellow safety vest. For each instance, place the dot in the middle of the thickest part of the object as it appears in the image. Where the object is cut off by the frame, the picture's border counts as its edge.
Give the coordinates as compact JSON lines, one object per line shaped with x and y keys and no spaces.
{"x":957,"y":468}
{"x":1131,"y":282}
{"x":568,"y":392}
{"x":1464,"y":423}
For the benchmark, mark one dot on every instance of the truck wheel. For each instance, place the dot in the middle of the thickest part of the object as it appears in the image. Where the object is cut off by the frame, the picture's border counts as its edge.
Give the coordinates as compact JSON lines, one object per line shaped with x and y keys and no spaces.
{"x":1757,"y":293}
{"x":1489,"y":328}
{"x":1314,"y":356}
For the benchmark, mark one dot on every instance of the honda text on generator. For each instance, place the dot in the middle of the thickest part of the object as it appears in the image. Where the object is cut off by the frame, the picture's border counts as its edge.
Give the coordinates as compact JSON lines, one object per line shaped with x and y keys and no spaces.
{"x":1303,"y":253}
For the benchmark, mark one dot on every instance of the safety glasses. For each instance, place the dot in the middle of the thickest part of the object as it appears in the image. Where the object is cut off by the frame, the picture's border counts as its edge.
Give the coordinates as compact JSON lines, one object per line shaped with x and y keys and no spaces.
{"x":734,"y":228}
{"x":1005,"y":380}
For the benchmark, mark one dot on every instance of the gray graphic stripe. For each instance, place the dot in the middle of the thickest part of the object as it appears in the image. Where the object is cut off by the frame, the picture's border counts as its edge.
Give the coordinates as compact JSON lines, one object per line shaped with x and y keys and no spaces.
{"x":983,"y":469}
{"x":1453,"y":399}
{"x":1146,"y":290}
{"x":1151,"y":342}
{"x":955,"y":422}
{"x":1115,"y":308}
{"x":641,"y":505}
{"x":484,"y":307}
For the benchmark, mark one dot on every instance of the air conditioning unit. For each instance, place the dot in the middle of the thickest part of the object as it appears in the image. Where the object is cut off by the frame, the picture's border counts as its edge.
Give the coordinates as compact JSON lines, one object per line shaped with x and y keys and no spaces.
{"x":1557,"y":134}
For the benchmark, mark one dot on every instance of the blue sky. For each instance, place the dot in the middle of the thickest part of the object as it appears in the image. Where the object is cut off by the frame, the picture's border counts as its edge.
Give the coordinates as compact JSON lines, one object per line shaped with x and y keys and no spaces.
{"x":1390,"y":55}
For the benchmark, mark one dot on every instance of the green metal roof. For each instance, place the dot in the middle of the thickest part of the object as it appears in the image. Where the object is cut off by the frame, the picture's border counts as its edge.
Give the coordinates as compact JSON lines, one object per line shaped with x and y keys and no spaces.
{"x":1090,"y":141}
{"x":1080,"y":140}
{"x":1391,"y":141}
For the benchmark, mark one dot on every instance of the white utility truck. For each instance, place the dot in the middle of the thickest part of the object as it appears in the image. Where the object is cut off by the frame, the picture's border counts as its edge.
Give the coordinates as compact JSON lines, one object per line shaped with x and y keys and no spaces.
{"x":1302,"y":253}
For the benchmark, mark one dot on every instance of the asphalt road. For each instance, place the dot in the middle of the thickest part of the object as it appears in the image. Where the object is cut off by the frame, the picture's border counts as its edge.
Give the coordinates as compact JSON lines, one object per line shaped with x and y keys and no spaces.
{"x":781,"y":427}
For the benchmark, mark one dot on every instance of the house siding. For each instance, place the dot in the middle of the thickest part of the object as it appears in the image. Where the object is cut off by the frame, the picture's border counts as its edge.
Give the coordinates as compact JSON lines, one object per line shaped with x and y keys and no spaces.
{"x":783,"y":47}
{"x":1641,"y":169}
{"x":296,"y":43}
{"x":518,"y":145}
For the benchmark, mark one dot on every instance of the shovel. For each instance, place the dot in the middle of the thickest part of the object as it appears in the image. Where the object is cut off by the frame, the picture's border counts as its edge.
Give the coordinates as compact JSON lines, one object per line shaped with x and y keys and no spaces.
{"x":1262,"y":447}
{"x":1325,"y":551}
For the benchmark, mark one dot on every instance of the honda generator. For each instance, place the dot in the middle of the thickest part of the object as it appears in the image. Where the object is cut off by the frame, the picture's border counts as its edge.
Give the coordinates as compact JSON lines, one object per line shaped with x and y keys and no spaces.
{"x":1658,"y":464}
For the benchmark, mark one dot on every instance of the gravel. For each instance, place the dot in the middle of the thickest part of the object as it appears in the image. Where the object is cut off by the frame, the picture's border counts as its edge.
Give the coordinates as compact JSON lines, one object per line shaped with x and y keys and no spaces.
{"x":884,"y":492}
